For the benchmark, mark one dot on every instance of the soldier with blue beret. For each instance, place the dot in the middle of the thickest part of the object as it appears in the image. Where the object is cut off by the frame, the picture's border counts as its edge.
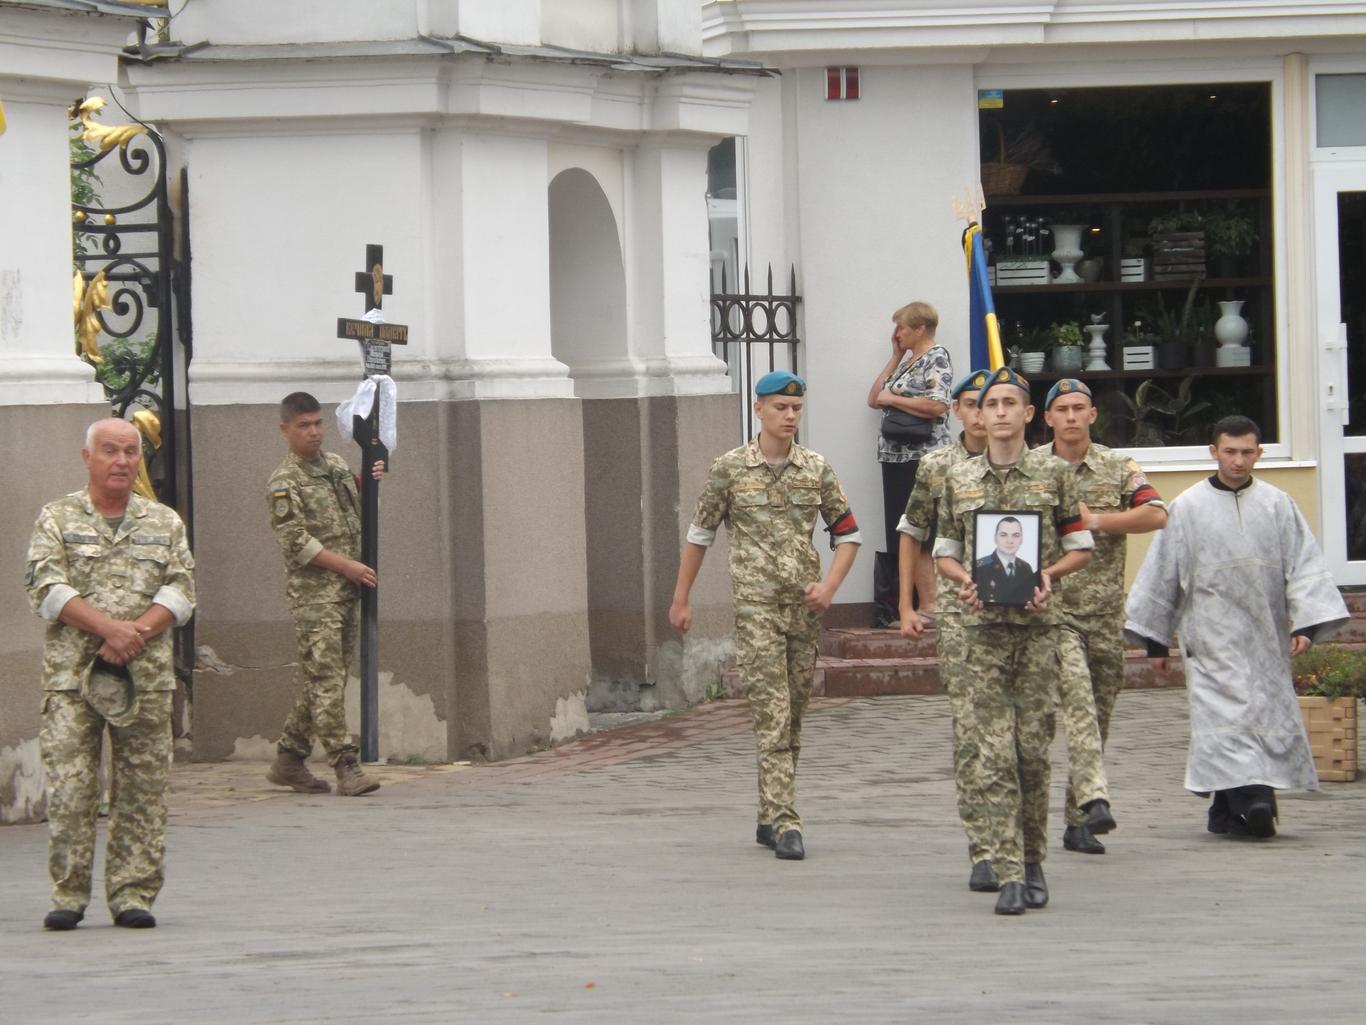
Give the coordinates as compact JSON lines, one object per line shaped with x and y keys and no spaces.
{"x":768,"y":494}
{"x":1116,"y":499}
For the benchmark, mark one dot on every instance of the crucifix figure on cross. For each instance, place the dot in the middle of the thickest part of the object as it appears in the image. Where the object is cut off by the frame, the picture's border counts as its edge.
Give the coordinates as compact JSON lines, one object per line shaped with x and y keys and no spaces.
{"x":372,"y":417}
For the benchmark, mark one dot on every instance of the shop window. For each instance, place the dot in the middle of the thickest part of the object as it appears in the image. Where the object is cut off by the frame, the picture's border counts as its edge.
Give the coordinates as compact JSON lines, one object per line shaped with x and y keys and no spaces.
{"x":1138,"y":221}
{"x":1339,"y":101}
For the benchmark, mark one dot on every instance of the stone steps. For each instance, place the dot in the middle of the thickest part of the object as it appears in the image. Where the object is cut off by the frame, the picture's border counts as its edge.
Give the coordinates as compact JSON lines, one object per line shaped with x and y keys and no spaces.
{"x":867,"y":662}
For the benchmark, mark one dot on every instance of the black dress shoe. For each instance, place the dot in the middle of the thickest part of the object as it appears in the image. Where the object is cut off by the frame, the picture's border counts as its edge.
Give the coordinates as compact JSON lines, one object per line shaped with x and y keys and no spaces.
{"x":1080,"y":839}
{"x":789,"y":846}
{"x":763,"y":836}
{"x":1012,"y":899}
{"x":1098,"y":817}
{"x":983,"y":878}
{"x":135,"y":918}
{"x":1218,"y":821}
{"x":62,"y":920}
{"x":1259,"y":820}
{"x":1036,"y":887}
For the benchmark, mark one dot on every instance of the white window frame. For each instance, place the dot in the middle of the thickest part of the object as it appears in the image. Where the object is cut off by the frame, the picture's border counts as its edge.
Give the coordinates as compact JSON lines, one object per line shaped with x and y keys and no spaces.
{"x":1083,"y":75}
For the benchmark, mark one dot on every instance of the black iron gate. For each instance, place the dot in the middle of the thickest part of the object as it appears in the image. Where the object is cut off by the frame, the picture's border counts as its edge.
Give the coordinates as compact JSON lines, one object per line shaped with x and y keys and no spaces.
{"x":746,"y":322}
{"x":131,"y":297}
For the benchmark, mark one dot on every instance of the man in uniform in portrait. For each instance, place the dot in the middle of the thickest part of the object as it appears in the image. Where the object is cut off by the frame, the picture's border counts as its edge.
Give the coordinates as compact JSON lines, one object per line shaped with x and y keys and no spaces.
{"x":917,"y":528}
{"x":1011,"y":655}
{"x":1116,"y":500}
{"x":768,"y":494}
{"x":111,"y":573}
{"x":1238,"y":576}
{"x":315,"y":514}
{"x":1003,"y":578}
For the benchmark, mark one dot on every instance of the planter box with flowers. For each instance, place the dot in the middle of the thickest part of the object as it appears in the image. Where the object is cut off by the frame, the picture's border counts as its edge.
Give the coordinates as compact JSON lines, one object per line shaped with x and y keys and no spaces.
{"x":1328,"y":680}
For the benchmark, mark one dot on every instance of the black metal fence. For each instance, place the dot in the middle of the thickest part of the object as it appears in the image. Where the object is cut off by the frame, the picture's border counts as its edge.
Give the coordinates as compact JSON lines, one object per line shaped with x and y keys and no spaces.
{"x":754,"y":333}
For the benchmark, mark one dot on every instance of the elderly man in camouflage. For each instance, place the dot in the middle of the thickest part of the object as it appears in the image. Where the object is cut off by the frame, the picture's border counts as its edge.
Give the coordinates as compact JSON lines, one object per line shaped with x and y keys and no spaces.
{"x":917,"y":526}
{"x":1116,"y":499}
{"x":315,"y":513}
{"x":768,"y":493}
{"x":111,"y":573}
{"x":1012,"y":655}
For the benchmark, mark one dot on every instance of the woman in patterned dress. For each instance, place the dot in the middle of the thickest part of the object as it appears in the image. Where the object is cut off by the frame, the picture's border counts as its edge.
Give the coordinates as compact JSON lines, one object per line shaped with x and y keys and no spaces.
{"x":917,"y":378}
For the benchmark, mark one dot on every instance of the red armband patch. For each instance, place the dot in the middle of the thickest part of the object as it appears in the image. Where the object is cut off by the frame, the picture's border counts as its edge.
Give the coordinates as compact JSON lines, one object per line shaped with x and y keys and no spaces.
{"x":1070,"y":526}
{"x":844,"y":524}
{"x":1147,"y":493}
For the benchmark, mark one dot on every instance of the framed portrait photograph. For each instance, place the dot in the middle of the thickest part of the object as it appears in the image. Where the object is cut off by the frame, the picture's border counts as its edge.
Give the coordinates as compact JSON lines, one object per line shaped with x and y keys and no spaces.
{"x":1006,"y":556}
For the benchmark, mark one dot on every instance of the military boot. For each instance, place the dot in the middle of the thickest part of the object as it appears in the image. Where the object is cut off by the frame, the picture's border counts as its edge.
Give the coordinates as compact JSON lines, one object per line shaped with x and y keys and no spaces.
{"x":351,"y":781}
{"x":288,"y":770}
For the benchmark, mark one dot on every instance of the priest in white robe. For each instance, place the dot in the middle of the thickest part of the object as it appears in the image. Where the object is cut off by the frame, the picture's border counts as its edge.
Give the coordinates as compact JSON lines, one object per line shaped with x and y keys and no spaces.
{"x":1239,"y":579}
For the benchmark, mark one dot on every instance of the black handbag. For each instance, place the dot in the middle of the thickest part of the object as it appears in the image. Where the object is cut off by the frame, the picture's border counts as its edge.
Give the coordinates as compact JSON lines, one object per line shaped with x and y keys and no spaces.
{"x":906,"y":428}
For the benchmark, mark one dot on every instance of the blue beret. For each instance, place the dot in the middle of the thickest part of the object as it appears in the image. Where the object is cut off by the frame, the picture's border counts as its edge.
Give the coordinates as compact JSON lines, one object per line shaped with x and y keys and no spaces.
{"x":1003,"y":376}
{"x":1067,"y":386}
{"x":780,"y":382}
{"x":973,"y":380}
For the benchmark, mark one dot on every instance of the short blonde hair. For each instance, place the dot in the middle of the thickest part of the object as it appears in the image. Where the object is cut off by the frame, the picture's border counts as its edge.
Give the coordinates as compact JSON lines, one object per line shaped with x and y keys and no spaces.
{"x":917,"y":314}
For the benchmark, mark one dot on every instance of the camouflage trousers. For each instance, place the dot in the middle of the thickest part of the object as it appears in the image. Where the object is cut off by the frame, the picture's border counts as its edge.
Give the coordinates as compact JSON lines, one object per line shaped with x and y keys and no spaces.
{"x":140,"y":765}
{"x":1102,"y":643}
{"x":1085,"y":762}
{"x":776,"y":653}
{"x":1009,"y":675}
{"x":327,"y":637}
{"x":951,"y":638}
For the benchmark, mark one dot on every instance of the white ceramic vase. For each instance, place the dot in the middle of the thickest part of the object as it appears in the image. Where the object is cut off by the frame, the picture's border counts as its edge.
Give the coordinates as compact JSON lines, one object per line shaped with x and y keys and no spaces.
{"x":1067,"y":251}
{"x":1231,"y":328}
{"x":1031,"y":362}
{"x":1095,"y":349}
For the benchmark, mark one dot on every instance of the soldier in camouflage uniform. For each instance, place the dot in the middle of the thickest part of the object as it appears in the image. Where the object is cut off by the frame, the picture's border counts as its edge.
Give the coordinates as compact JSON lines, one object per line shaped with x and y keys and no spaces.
{"x":315,"y":513}
{"x":1116,"y":499}
{"x":917,"y":526}
{"x":111,"y":573}
{"x":1011,"y":656}
{"x":768,"y":493}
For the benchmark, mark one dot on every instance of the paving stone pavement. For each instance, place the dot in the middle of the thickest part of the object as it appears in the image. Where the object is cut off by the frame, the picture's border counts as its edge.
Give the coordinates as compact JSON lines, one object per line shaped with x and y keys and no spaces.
{"x":615,"y":879}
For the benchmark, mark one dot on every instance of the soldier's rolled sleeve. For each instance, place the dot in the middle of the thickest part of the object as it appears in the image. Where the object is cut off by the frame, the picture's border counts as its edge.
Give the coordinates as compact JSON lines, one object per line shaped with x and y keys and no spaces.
{"x":835,"y":511}
{"x":949,"y":542}
{"x":919,"y":514}
{"x":49,"y":588}
{"x":1072,"y":532}
{"x":1138,"y":490}
{"x":299,"y":546}
{"x":948,"y":548}
{"x":176,"y":593}
{"x":714,"y":504}
{"x":700,"y":536}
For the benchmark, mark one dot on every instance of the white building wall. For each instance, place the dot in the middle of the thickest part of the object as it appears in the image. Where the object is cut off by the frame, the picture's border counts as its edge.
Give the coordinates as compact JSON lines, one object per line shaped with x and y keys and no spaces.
{"x":873,"y":228}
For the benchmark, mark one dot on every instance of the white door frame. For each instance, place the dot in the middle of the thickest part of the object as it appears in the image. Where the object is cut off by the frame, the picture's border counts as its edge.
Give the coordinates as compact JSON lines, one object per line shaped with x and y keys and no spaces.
{"x":1330,"y":179}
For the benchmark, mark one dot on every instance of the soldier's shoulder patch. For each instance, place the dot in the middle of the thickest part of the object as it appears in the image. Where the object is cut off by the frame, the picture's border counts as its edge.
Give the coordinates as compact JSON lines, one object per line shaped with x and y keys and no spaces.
{"x":279,"y":501}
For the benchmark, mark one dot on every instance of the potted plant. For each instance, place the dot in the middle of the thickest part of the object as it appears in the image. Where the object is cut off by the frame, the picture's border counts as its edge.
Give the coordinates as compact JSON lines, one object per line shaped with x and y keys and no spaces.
{"x":1328,"y":680}
{"x":1034,"y":346}
{"x":1230,"y":234}
{"x":1176,"y":329}
{"x":1067,"y":350}
{"x":1156,"y":417}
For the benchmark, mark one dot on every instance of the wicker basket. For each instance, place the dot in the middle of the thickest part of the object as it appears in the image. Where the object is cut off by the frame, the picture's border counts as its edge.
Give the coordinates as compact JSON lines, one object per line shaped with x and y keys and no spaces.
{"x":1000,"y":178}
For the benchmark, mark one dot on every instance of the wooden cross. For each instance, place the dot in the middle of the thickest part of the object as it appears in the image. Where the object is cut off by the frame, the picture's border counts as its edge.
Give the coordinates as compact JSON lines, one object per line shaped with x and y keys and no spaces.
{"x":375,"y":339}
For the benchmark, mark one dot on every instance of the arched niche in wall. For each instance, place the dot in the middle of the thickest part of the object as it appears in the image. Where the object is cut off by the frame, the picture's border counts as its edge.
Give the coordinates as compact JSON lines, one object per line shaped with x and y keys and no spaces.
{"x":588,"y":288}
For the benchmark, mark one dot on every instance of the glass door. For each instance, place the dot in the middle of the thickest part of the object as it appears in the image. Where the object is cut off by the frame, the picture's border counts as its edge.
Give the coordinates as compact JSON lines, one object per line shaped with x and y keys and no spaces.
{"x":1340,"y":273}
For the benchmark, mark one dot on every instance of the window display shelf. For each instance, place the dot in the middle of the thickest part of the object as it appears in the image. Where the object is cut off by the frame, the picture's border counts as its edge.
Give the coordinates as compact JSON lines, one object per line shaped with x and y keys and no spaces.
{"x":1180,"y":284}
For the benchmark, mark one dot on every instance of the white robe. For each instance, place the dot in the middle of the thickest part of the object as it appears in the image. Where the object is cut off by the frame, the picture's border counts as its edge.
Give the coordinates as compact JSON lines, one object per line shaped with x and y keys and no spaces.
{"x":1233,"y":574}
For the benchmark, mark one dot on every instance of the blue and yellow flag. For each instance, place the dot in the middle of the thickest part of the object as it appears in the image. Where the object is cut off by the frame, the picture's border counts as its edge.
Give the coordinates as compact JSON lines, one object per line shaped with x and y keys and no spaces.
{"x":986,"y":332}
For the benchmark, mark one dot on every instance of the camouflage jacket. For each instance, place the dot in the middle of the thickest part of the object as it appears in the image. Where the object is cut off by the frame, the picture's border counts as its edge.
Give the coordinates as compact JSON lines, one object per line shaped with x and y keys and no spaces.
{"x":315,"y":506}
{"x":1039,"y":482}
{"x":1107,"y":481}
{"x":770,"y":516}
{"x":922,"y":509}
{"x":74,"y":552}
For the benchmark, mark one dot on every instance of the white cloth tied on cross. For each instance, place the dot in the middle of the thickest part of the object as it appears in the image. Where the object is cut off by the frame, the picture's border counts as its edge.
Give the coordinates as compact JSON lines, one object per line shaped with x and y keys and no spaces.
{"x":360,"y":403}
